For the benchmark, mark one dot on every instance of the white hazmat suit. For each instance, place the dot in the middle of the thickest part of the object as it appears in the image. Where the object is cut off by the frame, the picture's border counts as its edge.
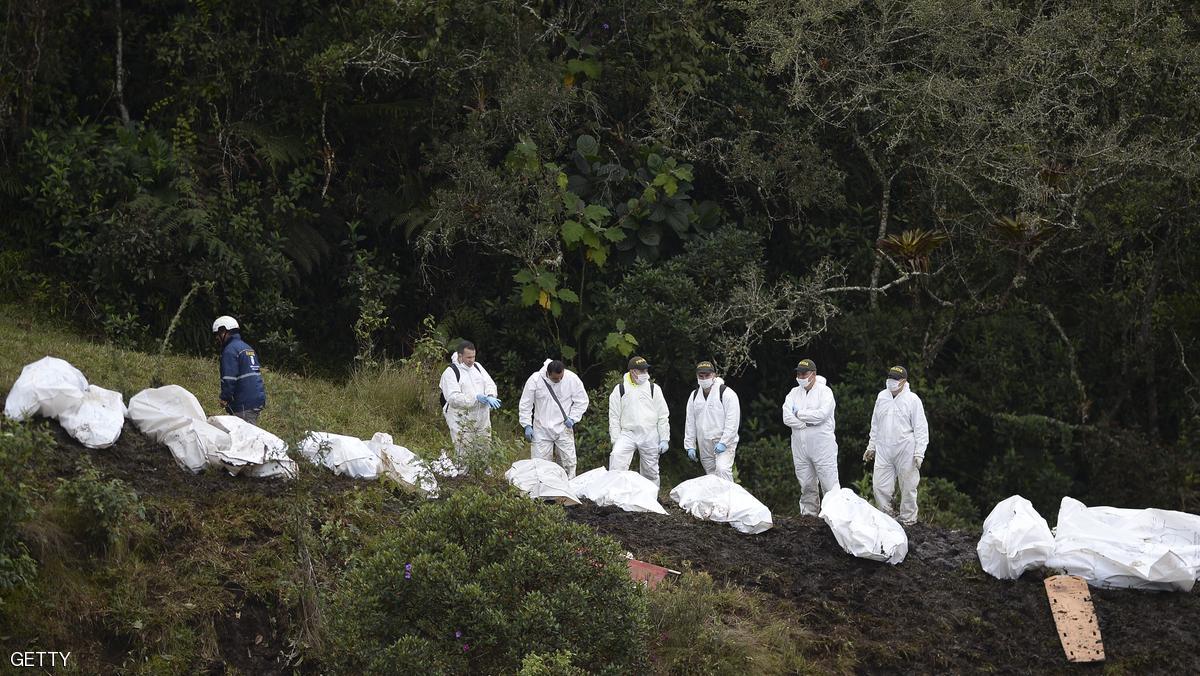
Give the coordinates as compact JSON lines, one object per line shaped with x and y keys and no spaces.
{"x":899,"y":437}
{"x":810,"y":414}
{"x":540,"y":409}
{"x":637,"y":421}
{"x":469,"y":420}
{"x":713,"y":417}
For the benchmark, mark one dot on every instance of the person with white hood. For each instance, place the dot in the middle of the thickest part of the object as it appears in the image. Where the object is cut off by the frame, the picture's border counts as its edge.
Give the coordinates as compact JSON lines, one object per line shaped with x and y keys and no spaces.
{"x":553,"y":401}
{"x":899,"y":437}
{"x":713,"y":417}
{"x":809,"y":411}
{"x":470,"y":395}
{"x":638,"y":420}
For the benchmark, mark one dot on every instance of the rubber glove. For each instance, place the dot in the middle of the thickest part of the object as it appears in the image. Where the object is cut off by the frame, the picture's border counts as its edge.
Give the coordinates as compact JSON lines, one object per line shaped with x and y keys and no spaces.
{"x":529,"y":432}
{"x":493,"y":402}
{"x":720,"y":448}
{"x":662,"y":447}
{"x":691,"y":454}
{"x":570,"y":423}
{"x":482,"y":398}
{"x":869,"y":454}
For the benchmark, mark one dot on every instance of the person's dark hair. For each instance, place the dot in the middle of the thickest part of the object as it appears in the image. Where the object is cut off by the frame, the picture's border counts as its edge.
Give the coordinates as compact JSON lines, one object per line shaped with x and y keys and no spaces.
{"x":555,"y":366}
{"x":466,"y":345}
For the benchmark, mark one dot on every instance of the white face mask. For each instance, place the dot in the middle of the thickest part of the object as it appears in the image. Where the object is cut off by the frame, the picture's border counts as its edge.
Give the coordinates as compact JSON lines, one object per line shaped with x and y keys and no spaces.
{"x":893,"y":385}
{"x":642,"y":378}
{"x":704,"y":382}
{"x":802,"y":382}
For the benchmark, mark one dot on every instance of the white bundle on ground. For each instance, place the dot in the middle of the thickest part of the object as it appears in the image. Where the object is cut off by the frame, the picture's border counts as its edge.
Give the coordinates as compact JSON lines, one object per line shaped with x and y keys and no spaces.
{"x":1015,"y":539}
{"x":52,"y":388}
{"x":342,"y":454}
{"x":172,"y":416}
{"x":252,"y":450}
{"x":402,"y":465}
{"x":541,"y":479}
{"x":716,"y":499}
{"x":628,"y":490}
{"x":98,"y":419}
{"x":48,"y":387}
{"x":445,"y":466}
{"x":861,"y":529}
{"x":1127,"y":548}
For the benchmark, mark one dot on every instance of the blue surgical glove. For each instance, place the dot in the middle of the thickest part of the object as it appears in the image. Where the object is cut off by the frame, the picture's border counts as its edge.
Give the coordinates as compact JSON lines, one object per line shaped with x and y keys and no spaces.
{"x":529,"y":432}
{"x":662,"y":447}
{"x":482,"y":398}
{"x":720,"y":448}
{"x":691,"y":454}
{"x":795,"y":412}
{"x":570,"y":422}
{"x":493,"y":402}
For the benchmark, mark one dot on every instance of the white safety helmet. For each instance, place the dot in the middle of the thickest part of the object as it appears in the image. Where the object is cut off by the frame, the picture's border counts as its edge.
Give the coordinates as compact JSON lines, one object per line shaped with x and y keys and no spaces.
{"x":225,"y":322}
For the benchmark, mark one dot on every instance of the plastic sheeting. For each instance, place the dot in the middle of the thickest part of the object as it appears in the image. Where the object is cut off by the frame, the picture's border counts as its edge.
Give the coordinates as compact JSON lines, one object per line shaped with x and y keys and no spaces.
{"x":628,"y":490}
{"x":172,"y":416}
{"x":252,"y":450}
{"x":861,"y":529}
{"x":402,"y":465}
{"x":716,"y":499}
{"x":342,"y":454}
{"x":445,"y":466}
{"x":541,"y":479}
{"x":1153,"y":549}
{"x":1015,"y":539}
{"x":97,"y":421}
{"x":48,"y":387}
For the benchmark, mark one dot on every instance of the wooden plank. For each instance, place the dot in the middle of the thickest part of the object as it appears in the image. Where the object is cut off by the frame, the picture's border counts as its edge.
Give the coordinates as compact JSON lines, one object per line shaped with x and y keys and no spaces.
{"x":647,"y":572}
{"x":1075,"y":618}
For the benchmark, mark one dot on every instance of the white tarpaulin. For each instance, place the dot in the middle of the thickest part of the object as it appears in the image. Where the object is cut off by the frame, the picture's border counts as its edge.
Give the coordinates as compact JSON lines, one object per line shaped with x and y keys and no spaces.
{"x":402,"y":465}
{"x":342,"y":454}
{"x":716,"y":499}
{"x":252,"y":450}
{"x":861,"y":529}
{"x":48,"y":387}
{"x":1015,"y":539}
{"x":445,"y":466}
{"x":626,"y":489}
{"x":172,"y":416}
{"x":97,"y":421}
{"x":1127,"y":548}
{"x":541,"y":479}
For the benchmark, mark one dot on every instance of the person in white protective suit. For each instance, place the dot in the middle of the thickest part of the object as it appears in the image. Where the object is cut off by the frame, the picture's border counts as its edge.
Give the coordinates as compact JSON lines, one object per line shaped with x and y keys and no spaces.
{"x":553,"y":400}
{"x":713,"y":416}
{"x":899,"y":437}
{"x":809,"y":411}
{"x":638,"y":420}
{"x":470,"y":395}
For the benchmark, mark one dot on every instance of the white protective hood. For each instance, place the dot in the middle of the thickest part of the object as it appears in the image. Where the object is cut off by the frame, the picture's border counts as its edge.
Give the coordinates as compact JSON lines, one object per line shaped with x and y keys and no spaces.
{"x":541,"y":479}
{"x":715,"y":499}
{"x":342,"y":454}
{"x":1127,"y":548}
{"x":1015,"y":539}
{"x":628,"y":490}
{"x":863,"y":530}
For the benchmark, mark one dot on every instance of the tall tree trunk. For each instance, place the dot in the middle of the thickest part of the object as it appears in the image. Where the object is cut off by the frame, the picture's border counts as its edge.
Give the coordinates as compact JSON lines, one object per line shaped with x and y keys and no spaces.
{"x":120,"y":69}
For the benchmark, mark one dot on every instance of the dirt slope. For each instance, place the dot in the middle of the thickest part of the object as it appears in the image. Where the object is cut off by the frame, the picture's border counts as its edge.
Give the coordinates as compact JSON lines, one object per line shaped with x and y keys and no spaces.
{"x":936,"y":612}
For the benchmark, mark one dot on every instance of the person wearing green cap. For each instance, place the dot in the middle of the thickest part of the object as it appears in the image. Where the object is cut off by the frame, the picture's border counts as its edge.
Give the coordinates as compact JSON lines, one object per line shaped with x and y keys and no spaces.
{"x":809,"y":411}
{"x":713,"y":417}
{"x":638,"y":420}
{"x":899,"y":437}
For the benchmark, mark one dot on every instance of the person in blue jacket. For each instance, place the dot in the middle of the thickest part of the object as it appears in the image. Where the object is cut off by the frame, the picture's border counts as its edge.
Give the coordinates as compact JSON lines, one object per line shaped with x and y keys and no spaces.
{"x":242,"y":390}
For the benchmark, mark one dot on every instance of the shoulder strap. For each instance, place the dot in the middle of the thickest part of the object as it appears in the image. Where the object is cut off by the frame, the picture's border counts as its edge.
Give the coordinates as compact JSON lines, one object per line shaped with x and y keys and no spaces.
{"x":621,"y":387}
{"x":457,"y":375}
{"x":555,"y":397}
{"x":721,"y":394}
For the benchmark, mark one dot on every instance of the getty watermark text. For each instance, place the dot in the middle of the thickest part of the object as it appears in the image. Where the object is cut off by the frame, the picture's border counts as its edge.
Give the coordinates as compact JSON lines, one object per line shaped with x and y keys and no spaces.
{"x":39,"y":658}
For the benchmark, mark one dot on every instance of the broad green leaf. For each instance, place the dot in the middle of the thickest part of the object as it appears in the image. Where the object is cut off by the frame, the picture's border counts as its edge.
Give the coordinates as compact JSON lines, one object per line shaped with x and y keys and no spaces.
{"x":568,"y":295}
{"x":572,"y":232}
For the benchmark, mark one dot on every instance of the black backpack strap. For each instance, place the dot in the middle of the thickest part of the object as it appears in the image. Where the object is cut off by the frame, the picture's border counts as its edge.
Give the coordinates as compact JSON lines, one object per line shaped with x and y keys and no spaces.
{"x":555,"y":397}
{"x":621,"y":387}
{"x":457,"y":375}
{"x":721,"y":394}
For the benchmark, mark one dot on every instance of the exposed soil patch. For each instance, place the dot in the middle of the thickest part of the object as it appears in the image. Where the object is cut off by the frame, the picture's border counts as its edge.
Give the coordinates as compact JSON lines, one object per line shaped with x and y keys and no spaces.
{"x":936,"y":612}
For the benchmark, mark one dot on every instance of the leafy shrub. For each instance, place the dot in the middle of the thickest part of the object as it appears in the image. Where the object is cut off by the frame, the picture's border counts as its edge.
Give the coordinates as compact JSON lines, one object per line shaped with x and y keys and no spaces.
{"x":482,"y":583}
{"x":18,"y":445}
{"x":101,"y":512}
{"x":939,"y":502}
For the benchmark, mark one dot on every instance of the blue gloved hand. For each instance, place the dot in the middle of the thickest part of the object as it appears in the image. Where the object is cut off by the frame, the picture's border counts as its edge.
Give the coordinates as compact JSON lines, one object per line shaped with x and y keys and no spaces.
{"x":493,"y":402}
{"x":529,"y":432}
{"x":795,"y":411}
{"x":691,"y":454}
{"x":662,"y":447}
{"x":482,"y":398}
{"x":720,"y":448}
{"x":570,"y":423}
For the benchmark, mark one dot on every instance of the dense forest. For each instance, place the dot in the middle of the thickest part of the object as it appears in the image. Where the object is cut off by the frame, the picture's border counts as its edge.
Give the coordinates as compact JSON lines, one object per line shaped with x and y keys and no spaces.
{"x":998,"y":194}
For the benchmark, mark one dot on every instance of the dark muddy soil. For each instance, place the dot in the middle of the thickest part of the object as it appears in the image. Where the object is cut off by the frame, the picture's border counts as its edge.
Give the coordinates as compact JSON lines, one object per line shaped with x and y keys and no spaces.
{"x":936,"y":612}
